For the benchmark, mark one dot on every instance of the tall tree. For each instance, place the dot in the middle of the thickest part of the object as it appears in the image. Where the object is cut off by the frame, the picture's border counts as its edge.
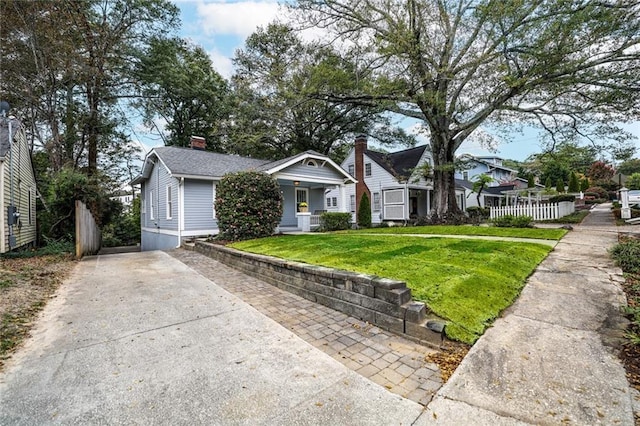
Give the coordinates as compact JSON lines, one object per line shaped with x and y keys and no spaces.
{"x":277,"y":114}
{"x":183,"y":89}
{"x":570,"y":67}
{"x":73,"y":65}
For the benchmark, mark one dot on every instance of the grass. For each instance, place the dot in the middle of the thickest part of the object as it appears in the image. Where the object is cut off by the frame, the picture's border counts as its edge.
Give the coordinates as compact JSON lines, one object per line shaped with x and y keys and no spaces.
{"x":543,"y":234}
{"x":573,"y":218}
{"x":467,"y":282}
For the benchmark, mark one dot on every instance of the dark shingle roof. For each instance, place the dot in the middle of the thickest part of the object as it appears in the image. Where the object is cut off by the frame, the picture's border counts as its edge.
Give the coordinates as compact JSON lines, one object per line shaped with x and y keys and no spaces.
{"x":5,"y":145}
{"x":400,"y":164}
{"x":186,"y":161}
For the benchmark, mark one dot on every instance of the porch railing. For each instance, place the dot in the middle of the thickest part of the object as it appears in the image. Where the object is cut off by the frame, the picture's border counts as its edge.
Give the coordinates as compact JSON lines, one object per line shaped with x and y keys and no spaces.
{"x":537,"y":212}
{"x":315,"y":220}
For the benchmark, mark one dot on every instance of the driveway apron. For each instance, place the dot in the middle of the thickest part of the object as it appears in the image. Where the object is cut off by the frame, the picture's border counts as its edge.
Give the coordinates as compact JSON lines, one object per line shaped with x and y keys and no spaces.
{"x":141,"y":338}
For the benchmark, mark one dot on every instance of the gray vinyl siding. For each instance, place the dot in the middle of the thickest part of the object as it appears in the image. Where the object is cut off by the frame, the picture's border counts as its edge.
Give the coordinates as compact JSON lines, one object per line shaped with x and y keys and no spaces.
{"x":198,"y":205}
{"x":313,"y":172}
{"x":24,"y":193}
{"x":157,"y":183}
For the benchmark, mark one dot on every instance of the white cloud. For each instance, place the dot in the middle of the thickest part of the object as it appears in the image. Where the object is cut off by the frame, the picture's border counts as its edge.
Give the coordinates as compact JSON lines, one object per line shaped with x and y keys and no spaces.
{"x":221,"y":62}
{"x":239,"y":18}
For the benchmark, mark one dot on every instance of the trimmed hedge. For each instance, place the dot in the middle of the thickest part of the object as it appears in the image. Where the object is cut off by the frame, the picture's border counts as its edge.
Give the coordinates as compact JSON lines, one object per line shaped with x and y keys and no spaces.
{"x":333,"y":221}
{"x":248,"y":205}
{"x":510,"y":221}
{"x":479,"y":212}
{"x":560,"y":198}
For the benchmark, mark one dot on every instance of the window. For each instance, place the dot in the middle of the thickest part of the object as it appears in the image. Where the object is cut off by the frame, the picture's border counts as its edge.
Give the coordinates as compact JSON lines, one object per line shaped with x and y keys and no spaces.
{"x":213,"y":204}
{"x":367,"y":169}
{"x":465,"y":175}
{"x":302,"y":196}
{"x":352,"y":202}
{"x":169,"y":203}
{"x":334,"y":200}
{"x":311,"y":163}
{"x":352,"y":169}
{"x":376,"y":201}
{"x":328,"y":201}
{"x":30,"y":209}
{"x":152,"y":213}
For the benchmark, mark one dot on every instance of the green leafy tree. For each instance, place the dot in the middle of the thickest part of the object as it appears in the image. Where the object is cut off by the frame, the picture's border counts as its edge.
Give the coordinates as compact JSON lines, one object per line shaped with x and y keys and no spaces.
{"x":560,"y":185}
{"x":479,"y":184}
{"x":531,"y":183}
{"x":364,"y":212}
{"x":277,"y":111}
{"x":630,"y":167}
{"x":574,"y":185}
{"x":184,"y":91}
{"x":584,"y":184}
{"x":458,"y":65}
{"x":634,"y":181}
{"x":248,"y":205}
{"x":548,"y":184}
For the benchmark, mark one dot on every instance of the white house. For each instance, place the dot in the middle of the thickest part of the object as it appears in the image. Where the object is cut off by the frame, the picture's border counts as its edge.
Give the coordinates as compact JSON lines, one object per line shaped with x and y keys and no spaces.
{"x":394,"y":182}
{"x":178,"y":187}
{"x":17,"y":187}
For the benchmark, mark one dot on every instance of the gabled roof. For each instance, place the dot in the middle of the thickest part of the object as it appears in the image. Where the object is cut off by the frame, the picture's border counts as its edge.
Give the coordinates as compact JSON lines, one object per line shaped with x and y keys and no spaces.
{"x":187,"y":162}
{"x":401,"y":163}
{"x":487,"y":161}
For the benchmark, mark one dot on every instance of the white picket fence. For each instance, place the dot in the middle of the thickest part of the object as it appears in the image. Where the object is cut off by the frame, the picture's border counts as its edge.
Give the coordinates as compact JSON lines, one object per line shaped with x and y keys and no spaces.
{"x":537,"y":212}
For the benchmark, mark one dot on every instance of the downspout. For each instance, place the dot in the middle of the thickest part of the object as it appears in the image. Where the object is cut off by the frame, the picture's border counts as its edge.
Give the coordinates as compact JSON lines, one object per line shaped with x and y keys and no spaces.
{"x":180,"y":210}
{"x":12,"y":212}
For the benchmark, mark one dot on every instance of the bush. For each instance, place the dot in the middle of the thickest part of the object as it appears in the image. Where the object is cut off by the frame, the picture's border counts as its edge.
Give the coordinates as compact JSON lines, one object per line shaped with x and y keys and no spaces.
{"x":560,"y":198}
{"x":597,"y":192}
{"x":332,"y":221}
{"x":449,"y":218}
{"x":364,"y":212}
{"x":248,"y":205}
{"x":627,"y":255}
{"x":480,"y":213}
{"x":510,"y":221}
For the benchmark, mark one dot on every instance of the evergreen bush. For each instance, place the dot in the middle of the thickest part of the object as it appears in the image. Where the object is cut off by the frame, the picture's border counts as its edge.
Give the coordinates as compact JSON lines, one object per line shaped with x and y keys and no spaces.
{"x":364,"y":212}
{"x":574,"y":185}
{"x":248,"y":205}
{"x":334,"y":221}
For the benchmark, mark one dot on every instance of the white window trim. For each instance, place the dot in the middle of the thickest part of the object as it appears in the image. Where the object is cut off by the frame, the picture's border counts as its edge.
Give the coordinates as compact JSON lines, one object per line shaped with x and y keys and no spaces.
{"x":376,"y":201}
{"x":367,"y":169}
{"x":152,"y":215}
{"x":169,"y":203}
{"x":213,"y":203}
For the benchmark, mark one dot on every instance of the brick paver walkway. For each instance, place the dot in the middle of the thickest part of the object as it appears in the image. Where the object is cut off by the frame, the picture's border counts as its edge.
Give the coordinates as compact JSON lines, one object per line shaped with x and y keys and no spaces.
{"x":387,"y":359}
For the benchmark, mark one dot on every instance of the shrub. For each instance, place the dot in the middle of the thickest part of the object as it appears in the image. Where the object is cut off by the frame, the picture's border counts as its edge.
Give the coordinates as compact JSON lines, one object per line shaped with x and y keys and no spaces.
{"x":627,"y":255}
{"x":449,"y":218}
{"x":560,"y":185}
{"x":560,"y":198}
{"x":333,"y":221}
{"x":574,"y":185}
{"x":364,"y":212}
{"x":598,"y":192}
{"x":248,"y":205}
{"x":510,"y":221}
{"x":481,"y":213}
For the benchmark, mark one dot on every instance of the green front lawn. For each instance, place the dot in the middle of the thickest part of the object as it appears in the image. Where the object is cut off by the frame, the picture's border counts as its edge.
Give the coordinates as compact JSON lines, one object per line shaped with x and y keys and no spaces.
{"x":467,"y":282}
{"x":543,"y":234}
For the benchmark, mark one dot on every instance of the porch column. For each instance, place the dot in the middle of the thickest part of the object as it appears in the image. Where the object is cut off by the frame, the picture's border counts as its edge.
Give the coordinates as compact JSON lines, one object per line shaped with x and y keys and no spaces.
{"x":343,"y":198}
{"x":304,"y":221}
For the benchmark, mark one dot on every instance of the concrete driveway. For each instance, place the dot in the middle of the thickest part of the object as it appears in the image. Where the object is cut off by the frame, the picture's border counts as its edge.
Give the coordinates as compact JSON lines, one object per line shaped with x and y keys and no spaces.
{"x":140,"y":338}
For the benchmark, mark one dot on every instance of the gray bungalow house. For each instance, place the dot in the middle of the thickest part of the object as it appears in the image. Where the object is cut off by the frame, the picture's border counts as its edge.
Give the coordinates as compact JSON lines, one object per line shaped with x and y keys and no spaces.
{"x":178,"y":187}
{"x":17,"y":187}
{"x":394,"y":182}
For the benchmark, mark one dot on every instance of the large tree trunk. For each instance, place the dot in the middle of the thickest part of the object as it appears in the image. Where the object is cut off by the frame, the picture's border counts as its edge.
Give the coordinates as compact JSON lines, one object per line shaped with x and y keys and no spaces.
{"x":444,"y":182}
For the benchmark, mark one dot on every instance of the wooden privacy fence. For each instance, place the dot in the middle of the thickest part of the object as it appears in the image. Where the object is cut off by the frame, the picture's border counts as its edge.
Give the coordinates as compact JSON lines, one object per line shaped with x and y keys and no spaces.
{"x":88,"y":235}
{"x":536,"y":211}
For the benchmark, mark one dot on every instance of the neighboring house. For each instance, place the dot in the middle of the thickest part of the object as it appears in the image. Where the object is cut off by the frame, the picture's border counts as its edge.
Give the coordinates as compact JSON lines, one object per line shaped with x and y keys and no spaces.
{"x":17,"y":187}
{"x":490,"y":166}
{"x":394,"y":183}
{"x":178,"y":187}
{"x":124,"y":197}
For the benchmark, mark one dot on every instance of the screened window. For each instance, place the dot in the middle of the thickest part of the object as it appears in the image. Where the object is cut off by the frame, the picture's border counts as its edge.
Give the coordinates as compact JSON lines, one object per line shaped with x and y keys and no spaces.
{"x":169,"y":203}
{"x":334,"y":200}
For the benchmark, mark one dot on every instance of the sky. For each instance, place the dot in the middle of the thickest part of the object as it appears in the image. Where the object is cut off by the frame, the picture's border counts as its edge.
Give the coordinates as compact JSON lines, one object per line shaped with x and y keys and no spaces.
{"x":221,"y":27}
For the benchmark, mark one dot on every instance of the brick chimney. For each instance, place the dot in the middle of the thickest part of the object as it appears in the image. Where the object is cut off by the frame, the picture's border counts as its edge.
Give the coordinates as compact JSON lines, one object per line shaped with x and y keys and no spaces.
{"x":361,"y":186}
{"x":198,"y":142}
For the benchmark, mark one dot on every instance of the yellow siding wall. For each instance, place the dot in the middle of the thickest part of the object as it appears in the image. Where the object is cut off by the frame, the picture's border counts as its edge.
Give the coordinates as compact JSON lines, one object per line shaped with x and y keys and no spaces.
{"x":24,"y":193}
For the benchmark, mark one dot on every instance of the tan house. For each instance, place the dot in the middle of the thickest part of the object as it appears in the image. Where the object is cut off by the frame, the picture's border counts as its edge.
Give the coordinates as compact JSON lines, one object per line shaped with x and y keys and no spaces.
{"x":17,"y":187}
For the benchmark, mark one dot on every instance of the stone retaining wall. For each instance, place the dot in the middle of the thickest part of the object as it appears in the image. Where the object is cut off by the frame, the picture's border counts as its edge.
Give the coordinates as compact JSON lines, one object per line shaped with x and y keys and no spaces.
{"x":384,"y":302}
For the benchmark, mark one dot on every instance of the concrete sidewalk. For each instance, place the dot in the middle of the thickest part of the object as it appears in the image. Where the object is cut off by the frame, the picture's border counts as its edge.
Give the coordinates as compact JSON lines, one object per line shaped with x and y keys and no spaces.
{"x":549,"y":359}
{"x":142,"y":339}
